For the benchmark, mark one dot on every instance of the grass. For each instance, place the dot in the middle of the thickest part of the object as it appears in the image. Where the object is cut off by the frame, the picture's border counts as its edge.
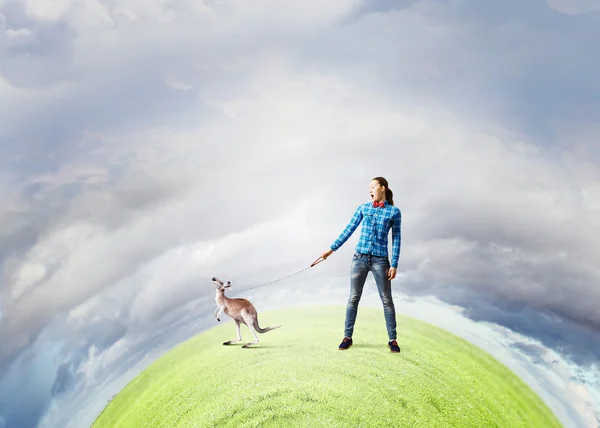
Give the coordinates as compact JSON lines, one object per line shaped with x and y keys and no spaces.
{"x":296,"y":376}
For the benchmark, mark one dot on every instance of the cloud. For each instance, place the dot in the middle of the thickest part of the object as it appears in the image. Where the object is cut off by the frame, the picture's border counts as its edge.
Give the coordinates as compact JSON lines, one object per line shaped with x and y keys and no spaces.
{"x":574,"y":7}
{"x":21,"y":32}
{"x":40,"y":10}
{"x":149,"y":156}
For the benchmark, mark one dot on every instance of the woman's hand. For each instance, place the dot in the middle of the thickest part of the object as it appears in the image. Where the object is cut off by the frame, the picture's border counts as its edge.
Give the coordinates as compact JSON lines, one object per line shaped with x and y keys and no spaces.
{"x":323,"y":256}
{"x":392,"y":273}
{"x":326,"y":254}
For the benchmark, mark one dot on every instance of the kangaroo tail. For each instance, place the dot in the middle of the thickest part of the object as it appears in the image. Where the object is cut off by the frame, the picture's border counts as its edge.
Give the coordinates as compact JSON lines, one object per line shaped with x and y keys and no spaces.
{"x":263,"y":330}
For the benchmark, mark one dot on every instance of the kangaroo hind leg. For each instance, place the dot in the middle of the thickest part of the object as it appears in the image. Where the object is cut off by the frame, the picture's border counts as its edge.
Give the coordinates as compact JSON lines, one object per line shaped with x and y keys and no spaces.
{"x":250,"y":323}
{"x":239,"y":335}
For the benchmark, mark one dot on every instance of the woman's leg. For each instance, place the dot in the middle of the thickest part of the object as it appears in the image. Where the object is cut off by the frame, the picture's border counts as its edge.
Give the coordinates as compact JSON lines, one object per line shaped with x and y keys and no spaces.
{"x":380,"y":267}
{"x":358,"y":275}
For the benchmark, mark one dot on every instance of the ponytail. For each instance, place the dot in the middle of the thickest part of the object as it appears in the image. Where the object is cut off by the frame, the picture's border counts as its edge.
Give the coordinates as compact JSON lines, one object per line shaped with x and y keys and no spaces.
{"x":389,"y":196}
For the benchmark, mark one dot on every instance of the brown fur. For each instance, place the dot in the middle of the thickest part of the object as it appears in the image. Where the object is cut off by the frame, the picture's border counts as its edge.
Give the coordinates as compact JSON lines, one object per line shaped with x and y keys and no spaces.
{"x":241,"y":310}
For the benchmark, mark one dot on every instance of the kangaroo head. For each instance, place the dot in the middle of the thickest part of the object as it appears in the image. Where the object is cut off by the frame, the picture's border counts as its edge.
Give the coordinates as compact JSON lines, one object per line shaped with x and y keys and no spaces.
{"x":220,"y":284}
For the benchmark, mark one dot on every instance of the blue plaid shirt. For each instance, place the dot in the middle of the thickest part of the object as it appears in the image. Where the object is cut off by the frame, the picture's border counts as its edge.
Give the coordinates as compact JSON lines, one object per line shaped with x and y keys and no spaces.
{"x":374,"y":234}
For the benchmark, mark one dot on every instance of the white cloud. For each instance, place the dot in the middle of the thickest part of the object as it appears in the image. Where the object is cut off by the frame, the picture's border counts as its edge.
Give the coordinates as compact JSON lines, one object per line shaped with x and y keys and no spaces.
{"x":27,"y":276}
{"x":45,"y":11}
{"x":574,"y":7}
{"x":21,"y":104}
{"x":176,"y":84}
{"x":21,"y":32}
{"x":291,"y":123}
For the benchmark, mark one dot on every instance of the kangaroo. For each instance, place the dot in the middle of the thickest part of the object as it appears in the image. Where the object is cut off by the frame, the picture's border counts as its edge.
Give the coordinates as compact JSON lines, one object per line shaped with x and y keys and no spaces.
{"x":241,"y":310}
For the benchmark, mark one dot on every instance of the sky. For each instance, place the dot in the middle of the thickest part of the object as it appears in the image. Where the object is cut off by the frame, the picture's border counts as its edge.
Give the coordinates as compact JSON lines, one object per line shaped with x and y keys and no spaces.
{"x":146,"y":147}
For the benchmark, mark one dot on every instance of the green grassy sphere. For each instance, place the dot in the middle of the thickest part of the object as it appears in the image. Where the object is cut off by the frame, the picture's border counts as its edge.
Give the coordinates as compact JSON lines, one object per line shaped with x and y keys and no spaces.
{"x":296,"y":376}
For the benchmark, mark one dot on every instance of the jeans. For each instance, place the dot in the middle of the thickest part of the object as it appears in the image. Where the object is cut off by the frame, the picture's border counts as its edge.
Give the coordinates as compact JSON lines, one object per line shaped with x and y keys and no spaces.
{"x":362,"y":264}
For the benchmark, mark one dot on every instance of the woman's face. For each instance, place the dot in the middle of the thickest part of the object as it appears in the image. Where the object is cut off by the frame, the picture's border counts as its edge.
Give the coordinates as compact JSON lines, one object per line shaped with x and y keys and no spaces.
{"x":377,"y":191}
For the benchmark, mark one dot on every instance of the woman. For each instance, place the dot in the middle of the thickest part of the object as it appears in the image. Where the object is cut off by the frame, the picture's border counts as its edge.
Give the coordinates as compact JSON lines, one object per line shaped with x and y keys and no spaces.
{"x":371,"y":255}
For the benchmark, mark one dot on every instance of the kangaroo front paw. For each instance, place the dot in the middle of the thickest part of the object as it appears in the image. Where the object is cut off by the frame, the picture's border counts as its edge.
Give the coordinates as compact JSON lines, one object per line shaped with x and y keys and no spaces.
{"x":218,"y":319}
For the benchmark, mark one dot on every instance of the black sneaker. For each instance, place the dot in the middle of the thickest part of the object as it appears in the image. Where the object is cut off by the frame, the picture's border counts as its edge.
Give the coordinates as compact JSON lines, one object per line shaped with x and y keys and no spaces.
{"x":346,"y":343}
{"x":393,"y":345}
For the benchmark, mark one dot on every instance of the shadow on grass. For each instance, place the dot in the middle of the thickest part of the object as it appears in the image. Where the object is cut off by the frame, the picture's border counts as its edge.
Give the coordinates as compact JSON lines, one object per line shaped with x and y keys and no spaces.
{"x":378,"y":346}
{"x":257,"y":346}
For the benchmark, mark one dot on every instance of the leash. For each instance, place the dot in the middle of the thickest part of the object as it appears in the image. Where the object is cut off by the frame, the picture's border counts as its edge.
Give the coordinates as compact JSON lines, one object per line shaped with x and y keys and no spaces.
{"x":316,"y":262}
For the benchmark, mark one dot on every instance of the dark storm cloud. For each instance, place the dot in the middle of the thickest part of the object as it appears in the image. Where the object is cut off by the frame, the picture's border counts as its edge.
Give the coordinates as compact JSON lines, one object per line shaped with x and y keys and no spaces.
{"x":579,"y":343}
